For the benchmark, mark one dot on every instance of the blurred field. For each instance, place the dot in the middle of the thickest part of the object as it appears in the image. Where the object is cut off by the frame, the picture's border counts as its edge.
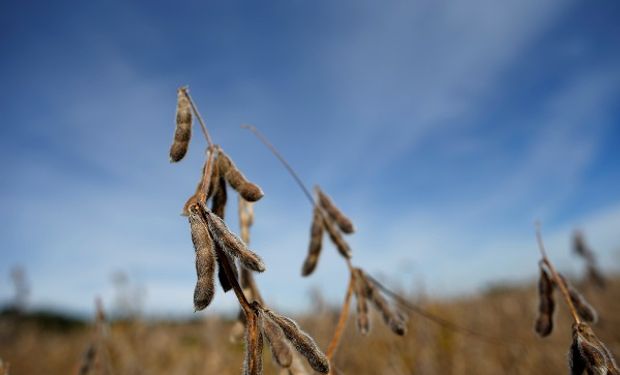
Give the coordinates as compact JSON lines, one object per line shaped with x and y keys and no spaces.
{"x":49,"y":345}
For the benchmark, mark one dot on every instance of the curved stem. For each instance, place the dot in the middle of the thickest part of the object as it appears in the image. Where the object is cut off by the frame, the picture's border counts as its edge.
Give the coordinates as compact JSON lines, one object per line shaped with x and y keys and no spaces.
{"x":342,"y":320}
{"x":277,"y":154}
{"x":203,"y":127}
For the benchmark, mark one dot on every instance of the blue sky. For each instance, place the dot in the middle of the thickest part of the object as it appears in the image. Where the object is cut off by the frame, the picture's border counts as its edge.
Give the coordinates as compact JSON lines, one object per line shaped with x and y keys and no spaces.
{"x":444,"y":129}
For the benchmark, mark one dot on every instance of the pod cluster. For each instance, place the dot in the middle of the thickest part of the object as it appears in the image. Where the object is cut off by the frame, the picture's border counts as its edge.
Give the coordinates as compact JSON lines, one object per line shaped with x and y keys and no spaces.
{"x":365,"y":291}
{"x":213,"y":239}
{"x":326,"y":217}
{"x":283,"y":335}
{"x":546,"y":304}
{"x":589,"y":354}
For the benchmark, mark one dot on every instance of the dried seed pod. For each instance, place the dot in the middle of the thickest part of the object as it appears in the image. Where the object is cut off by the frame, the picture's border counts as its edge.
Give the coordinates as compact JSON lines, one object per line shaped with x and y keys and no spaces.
{"x":253,"y":363}
{"x":336,"y":238}
{"x":183,"y":130}
{"x":205,"y":259}
{"x":248,"y":190}
{"x":589,"y":353}
{"x":221,"y":274}
{"x":220,"y":197}
{"x":584,"y":309}
{"x":218,"y":207}
{"x":303,"y":343}
{"x":546,"y":304}
{"x":344,"y":223}
{"x":390,"y":317}
{"x":232,"y":244}
{"x":316,"y":242}
{"x":363,"y":321}
{"x":277,"y":341}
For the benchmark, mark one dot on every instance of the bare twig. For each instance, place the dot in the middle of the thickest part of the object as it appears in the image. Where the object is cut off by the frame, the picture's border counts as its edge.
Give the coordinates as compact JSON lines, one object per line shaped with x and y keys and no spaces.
{"x":556,"y":277}
{"x":342,"y":320}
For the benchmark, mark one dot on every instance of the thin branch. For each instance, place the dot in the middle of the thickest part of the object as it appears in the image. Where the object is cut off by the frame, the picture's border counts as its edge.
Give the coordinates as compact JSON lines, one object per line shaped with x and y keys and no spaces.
{"x":342,"y":320}
{"x":206,"y":177}
{"x":556,"y":277}
{"x":277,"y":154}
{"x":203,"y":127}
{"x":290,"y":169}
{"x":433,"y":318}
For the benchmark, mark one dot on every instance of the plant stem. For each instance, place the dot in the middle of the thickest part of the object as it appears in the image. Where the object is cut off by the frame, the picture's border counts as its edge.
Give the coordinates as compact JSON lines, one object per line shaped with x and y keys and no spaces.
{"x":556,"y":277}
{"x":206,"y":177}
{"x":277,"y":154}
{"x":203,"y":127}
{"x":342,"y":320}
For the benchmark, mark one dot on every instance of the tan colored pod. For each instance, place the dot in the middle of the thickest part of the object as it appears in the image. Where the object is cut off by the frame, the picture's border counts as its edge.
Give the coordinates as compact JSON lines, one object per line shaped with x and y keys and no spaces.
{"x":303,"y":343}
{"x":316,"y":243}
{"x":205,"y":259}
{"x":276,"y":339}
{"x":248,"y":190}
{"x":183,"y":130}
{"x":337,"y":239}
{"x":344,"y":223}
{"x":232,"y":245}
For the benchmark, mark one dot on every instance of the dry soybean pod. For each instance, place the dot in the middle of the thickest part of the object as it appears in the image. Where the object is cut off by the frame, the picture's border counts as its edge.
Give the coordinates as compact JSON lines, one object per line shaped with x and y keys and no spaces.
{"x":546,"y":304}
{"x":248,"y":190}
{"x":344,"y":223}
{"x":277,"y":341}
{"x":584,"y":309}
{"x":390,"y":317}
{"x":232,"y":245}
{"x":205,"y":259}
{"x":183,"y":130}
{"x":336,"y":238}
{"x":316,"y":243}
{"x":363,"y":320}
{"x":303,"y":343}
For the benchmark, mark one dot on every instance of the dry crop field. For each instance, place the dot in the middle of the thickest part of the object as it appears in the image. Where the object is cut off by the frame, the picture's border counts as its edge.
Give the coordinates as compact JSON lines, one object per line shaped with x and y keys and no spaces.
{"x":205,"y":347}
{"x":551,"y":327}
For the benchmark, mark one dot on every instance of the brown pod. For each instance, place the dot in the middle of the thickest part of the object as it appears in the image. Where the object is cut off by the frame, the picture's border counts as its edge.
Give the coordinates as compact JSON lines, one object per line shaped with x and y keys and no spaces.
{"x":277,"y":341}
{"x":390,"y":317}
{"x":584,"y":309}
{"x":546,"y":305}
{"x":232,"y":245}
{"x":253,"y":363}
{"x":363,"y":320}
{"x":344,"y":223}
{"x":218,"y":203}
{"x":316,"y":243}
{"x":303,"y":343}
{"x":221,"y":274}
{"x":205,"y":259}
{"x":218,"y":207}
{"x":336,"y":238}
{"x":248,"y":190}
{"x":589,"y":353}
{"x":183,"y":130}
